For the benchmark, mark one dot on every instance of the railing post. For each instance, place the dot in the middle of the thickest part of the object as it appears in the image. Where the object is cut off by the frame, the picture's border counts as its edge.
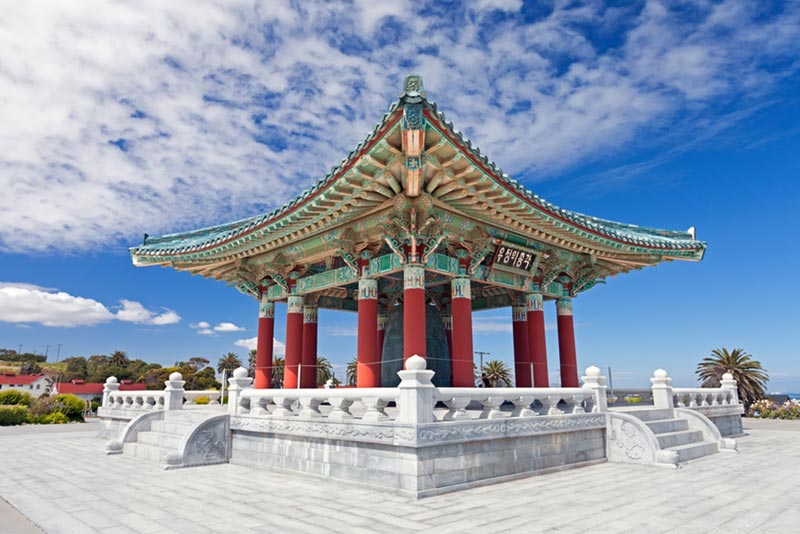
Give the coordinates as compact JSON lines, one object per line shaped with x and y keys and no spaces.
{"x":662,"y":390}
{"x":597,"y":383}
{"x":415,"y":396}
{"x":112,"y":385}
{"x":236,"y":384}
{"x":729,"y":384}
{"x":174,"y":390}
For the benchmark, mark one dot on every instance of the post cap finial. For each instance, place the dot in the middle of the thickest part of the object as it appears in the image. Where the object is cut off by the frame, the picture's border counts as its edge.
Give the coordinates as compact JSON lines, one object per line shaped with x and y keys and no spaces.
{"x":111,"y":380}
{"x":174,"y":377}
{"x":592,"y":370}
{"x":413,"y":87}
{"x":416,"y":363}
{"x":727,"y":376}
{"x":660,"y":373}
{"x":240,"y":372}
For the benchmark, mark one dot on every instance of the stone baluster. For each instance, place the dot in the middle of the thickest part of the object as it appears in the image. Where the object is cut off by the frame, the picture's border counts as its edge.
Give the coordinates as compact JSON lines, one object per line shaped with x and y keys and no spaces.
{"x":375,"y":409}
{"x":522,"y":406}
{"x":491,"y":408}
{"x":340,"y":409}
{"x":283,"y":406}
{"x":576,"y":402}
{"x":704,"y":399}
{"x":729,"y":384}
{"x":596,"y":383}
{"x":551,"y":401}
{"x":309,"y":407}
{"x":692,"y":400}
{"x":236,"y":383}
{"x":258,"y":405}
{"x":457,"y":409}
{"x":415,"y":392}
{"x":111,"y":386}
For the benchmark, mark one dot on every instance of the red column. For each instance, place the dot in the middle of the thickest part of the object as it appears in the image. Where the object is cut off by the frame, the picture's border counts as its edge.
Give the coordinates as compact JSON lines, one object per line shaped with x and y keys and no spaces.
{"x":368,"y":373}
{"x":461,"y":309}
{"x":294,"y":341}
{"x":537,"y":345}
{"x":522,"y":359}
{"x":566,"y":344}
{"x":308,"y":375}
{"x":266,"y":331}
{"x":383,"y":318}
{"x":413,"y":311}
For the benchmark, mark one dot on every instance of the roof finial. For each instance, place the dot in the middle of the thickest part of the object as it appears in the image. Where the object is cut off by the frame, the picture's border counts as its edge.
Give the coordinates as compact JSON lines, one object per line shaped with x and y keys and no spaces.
{"x":412,"y":87}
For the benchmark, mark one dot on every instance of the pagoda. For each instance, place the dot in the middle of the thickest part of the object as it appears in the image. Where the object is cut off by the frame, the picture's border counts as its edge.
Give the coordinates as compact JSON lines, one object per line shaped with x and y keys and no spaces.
{"x":414,"y":230}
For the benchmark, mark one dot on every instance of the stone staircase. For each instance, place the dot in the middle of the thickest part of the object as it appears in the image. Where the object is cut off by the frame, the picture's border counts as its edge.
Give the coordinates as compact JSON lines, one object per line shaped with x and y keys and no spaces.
{"x":661,"y":436}
{"x":162,"y":440}
{"x":674,"y":434}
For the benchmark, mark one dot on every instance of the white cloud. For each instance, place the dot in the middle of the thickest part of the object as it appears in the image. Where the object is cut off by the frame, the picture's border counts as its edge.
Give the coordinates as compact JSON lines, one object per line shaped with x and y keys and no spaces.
{"x":205,"y":332}
{"x":129,"y":117}
{"x":278,"y":348}
{"x":341,"y":331}
{"x":201,"y":324}
{"x":28,"y":303}
{"x":228,"y":327}
{"x":491,"y":324}
{"x":134,"y":312}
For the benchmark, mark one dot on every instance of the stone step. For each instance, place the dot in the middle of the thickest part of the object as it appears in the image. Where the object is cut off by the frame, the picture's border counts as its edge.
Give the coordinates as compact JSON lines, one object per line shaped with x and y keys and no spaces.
{"x":661,"y":426}
{"x":177,"y":428}
{"x":681,"y":437}
{"x":650,"y":414}
{"x":692,"y":451}
{"x":189,"y":416}
{"x":146,"y":451}
{"x":159,"y":439}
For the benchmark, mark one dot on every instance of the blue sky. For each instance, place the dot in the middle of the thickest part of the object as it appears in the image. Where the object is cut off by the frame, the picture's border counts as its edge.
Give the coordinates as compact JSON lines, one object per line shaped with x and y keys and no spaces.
{"x":125,"y":118}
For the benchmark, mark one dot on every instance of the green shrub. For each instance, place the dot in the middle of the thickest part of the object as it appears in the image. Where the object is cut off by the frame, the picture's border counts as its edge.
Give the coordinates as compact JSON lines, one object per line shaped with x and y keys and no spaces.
{"x":633,"y":399}
{"x":55,"y":418}
{"x":71,"y":406}
{"x":11,"y":397}
{"x":12,"y":415}
{"x":202,"y":400}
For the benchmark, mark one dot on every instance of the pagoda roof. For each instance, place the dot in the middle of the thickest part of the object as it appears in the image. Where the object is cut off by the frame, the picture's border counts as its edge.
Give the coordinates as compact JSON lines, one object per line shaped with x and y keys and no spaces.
{"x":239,"y":239}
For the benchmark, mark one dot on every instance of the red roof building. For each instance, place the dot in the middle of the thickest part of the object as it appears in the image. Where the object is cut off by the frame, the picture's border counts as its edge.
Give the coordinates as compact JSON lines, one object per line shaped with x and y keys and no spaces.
{"x":33,"y":384}
{"x":90,"y":390}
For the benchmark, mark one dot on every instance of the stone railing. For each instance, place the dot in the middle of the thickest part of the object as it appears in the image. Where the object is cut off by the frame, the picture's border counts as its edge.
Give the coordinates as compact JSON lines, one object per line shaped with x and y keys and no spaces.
{"x":415,"y":400}
{"x":666,"y":396}
{"x":172,"y":397}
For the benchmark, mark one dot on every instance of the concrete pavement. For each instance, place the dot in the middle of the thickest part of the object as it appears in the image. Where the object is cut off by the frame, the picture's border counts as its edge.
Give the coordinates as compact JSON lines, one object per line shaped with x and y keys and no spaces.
{"x":63,"y":482}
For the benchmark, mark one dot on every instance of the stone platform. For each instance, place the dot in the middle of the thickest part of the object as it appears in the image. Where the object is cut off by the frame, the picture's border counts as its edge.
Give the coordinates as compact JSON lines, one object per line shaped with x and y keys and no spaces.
{"x":60,"y":479}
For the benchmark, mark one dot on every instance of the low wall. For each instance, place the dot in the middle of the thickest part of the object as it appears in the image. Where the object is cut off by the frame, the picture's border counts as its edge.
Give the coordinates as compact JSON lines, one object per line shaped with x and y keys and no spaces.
{"x":112,"y":422}
{"x":727,"y":419}
{"x":425,"y":459}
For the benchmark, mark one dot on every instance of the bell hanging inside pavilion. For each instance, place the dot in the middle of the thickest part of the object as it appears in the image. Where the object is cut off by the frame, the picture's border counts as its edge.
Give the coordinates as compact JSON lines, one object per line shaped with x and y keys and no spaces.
{"x":438,"y":354}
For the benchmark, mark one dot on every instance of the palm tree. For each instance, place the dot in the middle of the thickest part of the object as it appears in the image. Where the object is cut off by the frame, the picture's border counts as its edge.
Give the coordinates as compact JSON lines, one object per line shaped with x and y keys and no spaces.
{"x":230,"y":362}
{"x":277,"y":372}
{"x":751,"y":378}
{"x":324,"y":370}
{"x":495,"y":371}
{"x":352,"y":372}
{"x":251,"y":362}
{"x":118,"y":359}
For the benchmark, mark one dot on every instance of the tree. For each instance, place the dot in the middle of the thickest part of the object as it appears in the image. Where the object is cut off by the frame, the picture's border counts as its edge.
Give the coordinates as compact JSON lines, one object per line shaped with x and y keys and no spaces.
{"x":251,"y":362}
{"x":495,"y":371}
{"x":277,"y":372}
{"x":75,"y":368}
{"x":352,"y":372}
{"x":324,"y":370}
{"x":30,"y":368}
{"x":229,"y":362}
{"x":197,"y":363}
{"x":118,"y":359}
{"x":751,"y":378}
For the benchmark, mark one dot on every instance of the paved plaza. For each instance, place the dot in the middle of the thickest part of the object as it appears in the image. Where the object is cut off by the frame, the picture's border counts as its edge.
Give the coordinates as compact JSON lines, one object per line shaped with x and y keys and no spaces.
{"x":60,"y":480}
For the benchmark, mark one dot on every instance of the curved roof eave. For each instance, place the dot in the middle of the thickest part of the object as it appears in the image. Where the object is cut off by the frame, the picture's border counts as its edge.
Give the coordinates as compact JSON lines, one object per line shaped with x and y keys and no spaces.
{"x":165,"y":247}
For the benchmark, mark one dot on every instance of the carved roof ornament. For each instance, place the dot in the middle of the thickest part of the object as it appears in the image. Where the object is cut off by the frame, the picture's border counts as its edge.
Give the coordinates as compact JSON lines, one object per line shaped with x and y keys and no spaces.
{"x":549,"y":269}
